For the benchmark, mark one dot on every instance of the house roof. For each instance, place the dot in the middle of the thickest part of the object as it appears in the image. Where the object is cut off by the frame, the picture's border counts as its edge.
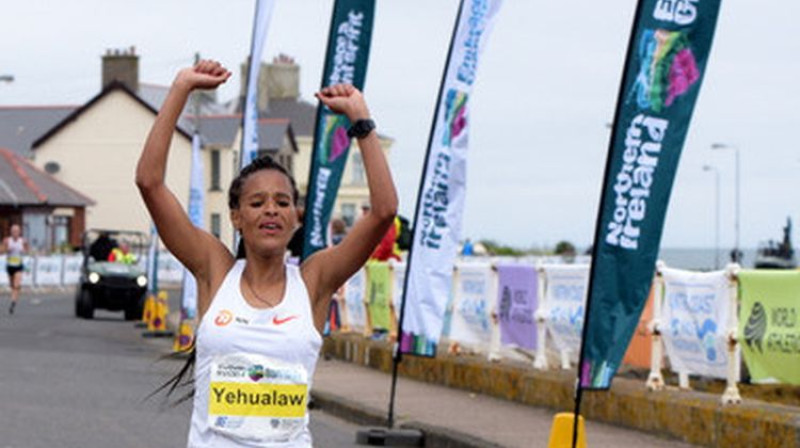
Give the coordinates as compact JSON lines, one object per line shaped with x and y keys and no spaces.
{"x":217,"y":130}
{"x":221,"y":130}
{"x":271,"y":132}
{"x":20,"y":126}
{"x":111,"y":87}
{"x":300,"y":113}
{"x":22,"y":184}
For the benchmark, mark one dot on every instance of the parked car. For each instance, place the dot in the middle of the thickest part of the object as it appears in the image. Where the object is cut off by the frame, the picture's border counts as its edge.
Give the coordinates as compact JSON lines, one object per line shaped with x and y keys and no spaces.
{"x":113,"y":275}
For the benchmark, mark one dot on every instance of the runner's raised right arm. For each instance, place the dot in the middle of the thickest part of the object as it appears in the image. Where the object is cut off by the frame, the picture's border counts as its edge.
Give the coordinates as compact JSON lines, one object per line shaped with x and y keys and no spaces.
{"x":196,"y":249}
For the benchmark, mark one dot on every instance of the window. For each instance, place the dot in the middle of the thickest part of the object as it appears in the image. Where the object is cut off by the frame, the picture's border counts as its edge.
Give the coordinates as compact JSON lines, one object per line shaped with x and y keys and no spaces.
{"x":285,"y":161}
{"x":60,"y":228}
{"x":359,"y":176}
{"x":349,"y":214}
{"x":216,"y":225}
{"x":215,"y":170}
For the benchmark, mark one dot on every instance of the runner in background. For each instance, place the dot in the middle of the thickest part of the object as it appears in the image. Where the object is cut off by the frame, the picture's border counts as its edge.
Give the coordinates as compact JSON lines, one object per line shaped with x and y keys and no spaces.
{"x":15,"y":247}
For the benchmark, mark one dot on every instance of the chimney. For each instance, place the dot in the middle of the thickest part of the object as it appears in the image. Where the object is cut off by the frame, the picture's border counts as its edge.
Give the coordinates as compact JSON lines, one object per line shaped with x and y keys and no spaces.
{"x":283,"y":78}
{"x":278,"y":80}
{"x":261,"y":83}
{"x":121,"y":65}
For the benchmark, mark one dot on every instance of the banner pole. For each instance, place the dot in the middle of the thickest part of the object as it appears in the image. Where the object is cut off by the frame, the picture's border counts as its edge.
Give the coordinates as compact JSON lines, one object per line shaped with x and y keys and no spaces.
{"x":598,"y":222}
{"x":397,"y":354}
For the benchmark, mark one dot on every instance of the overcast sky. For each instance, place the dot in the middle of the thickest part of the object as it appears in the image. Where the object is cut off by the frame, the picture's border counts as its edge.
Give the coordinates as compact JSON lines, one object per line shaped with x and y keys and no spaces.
{"x":545,"y":91}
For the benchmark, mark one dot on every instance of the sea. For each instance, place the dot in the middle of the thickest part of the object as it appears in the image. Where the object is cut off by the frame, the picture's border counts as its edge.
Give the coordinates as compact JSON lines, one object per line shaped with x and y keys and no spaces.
{"x":703,"y":259}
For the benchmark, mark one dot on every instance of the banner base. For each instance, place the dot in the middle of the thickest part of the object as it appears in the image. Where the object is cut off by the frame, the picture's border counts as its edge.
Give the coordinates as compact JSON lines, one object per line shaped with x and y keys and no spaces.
{"x":158,"y":334}
{"x":389,"y":437}
{"x":562,"y":429}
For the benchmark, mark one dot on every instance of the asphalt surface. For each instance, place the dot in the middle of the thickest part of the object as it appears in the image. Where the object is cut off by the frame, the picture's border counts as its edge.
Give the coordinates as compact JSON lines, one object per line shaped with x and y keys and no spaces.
{"x":67,"y":382}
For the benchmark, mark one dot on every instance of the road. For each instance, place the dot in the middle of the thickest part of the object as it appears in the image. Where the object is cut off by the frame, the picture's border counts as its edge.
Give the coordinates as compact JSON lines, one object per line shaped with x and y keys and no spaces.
{"x":68,"y":382}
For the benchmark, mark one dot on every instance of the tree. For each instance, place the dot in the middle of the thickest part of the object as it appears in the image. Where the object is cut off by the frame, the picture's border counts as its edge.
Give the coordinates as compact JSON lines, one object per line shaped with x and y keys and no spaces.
{"x":565,"y":249}
{"x":495,"y":248}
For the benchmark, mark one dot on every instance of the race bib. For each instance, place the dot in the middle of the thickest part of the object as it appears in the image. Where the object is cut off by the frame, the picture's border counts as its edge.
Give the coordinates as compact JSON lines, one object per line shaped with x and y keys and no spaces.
{"x":257,"y":398}
{"x":14,"y":260}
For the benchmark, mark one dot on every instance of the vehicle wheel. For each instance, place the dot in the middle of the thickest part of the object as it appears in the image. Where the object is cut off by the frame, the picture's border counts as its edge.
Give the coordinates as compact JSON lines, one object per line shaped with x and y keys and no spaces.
{"x":135,"y":310}
{"x":83,"y":305}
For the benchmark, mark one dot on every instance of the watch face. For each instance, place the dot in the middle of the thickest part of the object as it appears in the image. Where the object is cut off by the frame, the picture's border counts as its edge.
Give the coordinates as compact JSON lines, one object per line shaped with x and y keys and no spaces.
{"x":361,"y":128}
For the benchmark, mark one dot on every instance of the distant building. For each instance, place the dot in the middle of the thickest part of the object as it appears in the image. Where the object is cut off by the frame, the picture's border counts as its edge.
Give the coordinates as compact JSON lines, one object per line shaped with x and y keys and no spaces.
{"x":51,"y":214}
{"x":95,"y":150}
{"x":94,"y":147}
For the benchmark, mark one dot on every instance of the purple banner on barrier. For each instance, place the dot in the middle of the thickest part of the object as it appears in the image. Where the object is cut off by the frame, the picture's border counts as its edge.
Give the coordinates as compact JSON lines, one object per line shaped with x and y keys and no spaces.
{"x":517,"y":299}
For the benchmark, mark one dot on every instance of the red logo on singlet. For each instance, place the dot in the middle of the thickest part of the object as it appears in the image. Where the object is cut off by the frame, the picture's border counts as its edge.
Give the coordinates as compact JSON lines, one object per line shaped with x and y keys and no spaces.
{"x":223,"y":318}
{"x":277,"y":321}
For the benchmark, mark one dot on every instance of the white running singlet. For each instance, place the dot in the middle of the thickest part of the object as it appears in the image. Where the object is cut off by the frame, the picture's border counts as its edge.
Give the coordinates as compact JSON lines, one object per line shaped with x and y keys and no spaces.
{"x":16,"y":247}
{"x":253,"y":368}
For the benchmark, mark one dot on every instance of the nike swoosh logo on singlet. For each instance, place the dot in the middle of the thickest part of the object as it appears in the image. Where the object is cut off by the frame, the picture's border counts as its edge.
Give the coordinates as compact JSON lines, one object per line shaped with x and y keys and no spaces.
{"x":277,"y":321}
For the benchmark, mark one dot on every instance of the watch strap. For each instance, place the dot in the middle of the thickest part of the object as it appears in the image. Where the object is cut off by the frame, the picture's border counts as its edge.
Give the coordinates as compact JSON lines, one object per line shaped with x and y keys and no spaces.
{"x":361,"y":128}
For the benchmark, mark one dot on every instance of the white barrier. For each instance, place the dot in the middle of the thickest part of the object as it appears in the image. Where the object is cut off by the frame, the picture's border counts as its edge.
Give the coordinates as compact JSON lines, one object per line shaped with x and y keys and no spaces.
{"x":471,"y":323}
{"x":170,"y":270}
{"x":562,"y":307}
{"x":655,"y":380}
{"x":731,"y":394}
{"x":695,"y":313}
{"x":29,"y":266}
{"x":719,"y":351}
{"x":3,"y":275}
{"x":48,"y":271}
{"x":563,"y":291}
{"x":354,"y":298}
{"x":71,"y":273}
{"x":540,"y":361}
{"x":398,"y":282}
{"x":38,"y":271}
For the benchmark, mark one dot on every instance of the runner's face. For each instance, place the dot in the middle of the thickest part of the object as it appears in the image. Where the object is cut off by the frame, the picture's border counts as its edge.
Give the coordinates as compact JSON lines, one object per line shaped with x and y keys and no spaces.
{"x":15,"y":231}
{"x":266,"y":217}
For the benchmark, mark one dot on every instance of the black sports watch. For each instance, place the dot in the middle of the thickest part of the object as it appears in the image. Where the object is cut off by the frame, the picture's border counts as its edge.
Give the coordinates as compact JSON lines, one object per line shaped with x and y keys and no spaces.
{"x":361,"y":128}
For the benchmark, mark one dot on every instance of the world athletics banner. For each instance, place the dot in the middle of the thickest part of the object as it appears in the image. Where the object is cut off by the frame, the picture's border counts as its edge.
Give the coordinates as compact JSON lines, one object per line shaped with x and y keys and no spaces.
{"x":769,"y":330}
{"x":345,"y":62}
{"x":667,"y":55}
{"x":437,"y":223}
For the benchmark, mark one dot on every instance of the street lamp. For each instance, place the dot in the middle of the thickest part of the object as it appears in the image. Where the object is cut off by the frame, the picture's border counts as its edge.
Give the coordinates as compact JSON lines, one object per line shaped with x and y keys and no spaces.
{"x":716,"y":213}
{"x":736,"y":255}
